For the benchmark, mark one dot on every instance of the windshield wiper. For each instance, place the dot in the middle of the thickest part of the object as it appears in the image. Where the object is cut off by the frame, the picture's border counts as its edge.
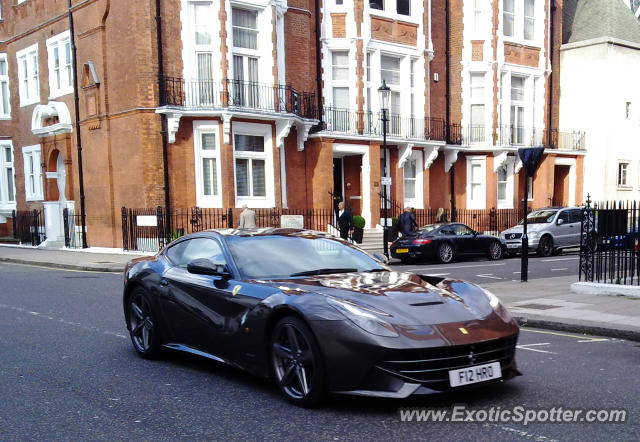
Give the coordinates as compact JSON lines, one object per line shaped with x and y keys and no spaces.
{"x":326,"y":271}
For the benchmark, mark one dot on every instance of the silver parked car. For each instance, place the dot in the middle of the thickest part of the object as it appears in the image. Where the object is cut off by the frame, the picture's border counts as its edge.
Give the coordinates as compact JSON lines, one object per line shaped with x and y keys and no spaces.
{"x":549,"y":230}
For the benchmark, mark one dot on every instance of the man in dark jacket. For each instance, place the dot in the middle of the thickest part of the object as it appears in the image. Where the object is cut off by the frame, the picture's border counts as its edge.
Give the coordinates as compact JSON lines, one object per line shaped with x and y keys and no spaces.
{"x":407,"y":222}
{"x":345,"y":221}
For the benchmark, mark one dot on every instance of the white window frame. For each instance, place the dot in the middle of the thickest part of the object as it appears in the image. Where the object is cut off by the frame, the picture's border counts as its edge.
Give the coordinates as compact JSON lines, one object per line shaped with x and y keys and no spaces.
{"x":478,"y":99}
{"x":418,"y":201}
{"x":514,"y":16}
{"x":265,"y":131}
{"x":619,"y":184}
{"x":200,"y":128}
{"x":507,"y":202}
{"x":7,"y":205}
{"x":32,"y":192}
{"x":29,"y":80}
{"x":481,"y":202}
{"x":477,"y":17}
{"x":65,"y":65}
{"x":5,"y":114}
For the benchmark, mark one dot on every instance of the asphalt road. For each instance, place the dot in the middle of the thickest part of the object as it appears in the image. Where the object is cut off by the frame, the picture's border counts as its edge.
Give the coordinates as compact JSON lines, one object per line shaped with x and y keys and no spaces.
{"x":69,"y":372}
{"x":481,"y":270}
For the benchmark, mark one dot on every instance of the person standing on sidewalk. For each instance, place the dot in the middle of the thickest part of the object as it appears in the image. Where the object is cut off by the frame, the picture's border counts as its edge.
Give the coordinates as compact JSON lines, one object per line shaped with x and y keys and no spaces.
{"x":407,"y":222}
{"x":247,"y":218}
{"x":345,"y":221}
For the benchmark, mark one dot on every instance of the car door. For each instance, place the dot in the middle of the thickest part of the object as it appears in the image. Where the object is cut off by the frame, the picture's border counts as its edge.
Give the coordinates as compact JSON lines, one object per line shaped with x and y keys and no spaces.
{"x":561,"y":229}
{"x":198,"y":305}
{"x":465,"y":240}
{"x":575,"y":221}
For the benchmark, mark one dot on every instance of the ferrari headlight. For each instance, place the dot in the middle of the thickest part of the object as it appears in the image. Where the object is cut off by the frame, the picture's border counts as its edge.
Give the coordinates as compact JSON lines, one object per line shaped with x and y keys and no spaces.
{"x":364,"y":318}
{"x":494,"y":301}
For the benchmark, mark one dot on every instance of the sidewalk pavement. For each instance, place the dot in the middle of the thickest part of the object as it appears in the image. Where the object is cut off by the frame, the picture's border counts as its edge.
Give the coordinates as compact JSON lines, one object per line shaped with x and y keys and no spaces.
{"x":545,"y":303}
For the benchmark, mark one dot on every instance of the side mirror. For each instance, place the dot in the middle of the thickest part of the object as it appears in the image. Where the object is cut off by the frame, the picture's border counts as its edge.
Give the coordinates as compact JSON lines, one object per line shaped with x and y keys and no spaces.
{"x":381,"y":257}
{"x":203,"y":266}
{"x":560,"y":221}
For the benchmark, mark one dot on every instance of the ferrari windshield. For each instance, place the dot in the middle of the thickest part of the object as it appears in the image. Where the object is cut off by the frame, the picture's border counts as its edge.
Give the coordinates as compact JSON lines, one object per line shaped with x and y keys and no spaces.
{"x":540,"y":217}
{"x":280,"y":256}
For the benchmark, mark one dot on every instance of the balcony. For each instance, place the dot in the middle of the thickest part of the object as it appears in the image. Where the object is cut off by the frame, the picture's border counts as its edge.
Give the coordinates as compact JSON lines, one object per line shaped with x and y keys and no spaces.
{"x":516,"y":136}
{"x":239,"y":95}
{"x":369,"y":123}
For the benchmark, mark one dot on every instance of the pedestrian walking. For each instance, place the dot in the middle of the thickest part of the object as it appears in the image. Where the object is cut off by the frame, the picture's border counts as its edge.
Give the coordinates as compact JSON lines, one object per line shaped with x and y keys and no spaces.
{"x":345,"y":221}
{"x":247,"y":218}
{"x":407,"y":222}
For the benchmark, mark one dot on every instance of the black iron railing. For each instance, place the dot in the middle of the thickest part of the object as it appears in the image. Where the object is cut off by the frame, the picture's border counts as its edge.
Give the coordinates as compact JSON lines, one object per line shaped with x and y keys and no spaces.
{"x":609,"y":243}
{"x":228,"y":93}
{"x":72,"y":224}
{"x":369,"y":123}
{"x":516,"y":136}
{"x":28,"y":226}
{"x":147,"y":229}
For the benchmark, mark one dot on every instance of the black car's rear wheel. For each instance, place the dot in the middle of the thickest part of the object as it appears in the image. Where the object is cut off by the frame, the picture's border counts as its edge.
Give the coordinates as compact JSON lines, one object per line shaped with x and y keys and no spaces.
{"x":545,"y":246}
{"x":297,"y":363}
{"x":144,"y":328}
{"x":495,"y":250}
{"x":445,"y":253}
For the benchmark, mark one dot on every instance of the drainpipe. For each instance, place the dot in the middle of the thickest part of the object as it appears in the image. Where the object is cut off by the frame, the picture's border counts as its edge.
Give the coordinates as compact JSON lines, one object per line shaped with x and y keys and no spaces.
{"x":76,"y":101}
{"x":551,"y":31}
{"x":448,"y":108}
{"x":164,"y":130}
{"x":318,"y":61}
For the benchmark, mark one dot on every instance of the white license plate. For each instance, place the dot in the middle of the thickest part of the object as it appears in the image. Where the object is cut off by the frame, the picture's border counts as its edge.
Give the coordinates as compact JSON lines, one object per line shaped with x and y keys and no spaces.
{"x":513,"y":246}
{"x":478,"y":373}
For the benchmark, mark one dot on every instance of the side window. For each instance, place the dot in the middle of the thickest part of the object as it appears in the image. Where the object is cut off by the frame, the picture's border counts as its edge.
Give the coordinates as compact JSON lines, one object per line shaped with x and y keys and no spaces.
{"x":461,"y":230}
{"x":575,"y":216}
{"x":447,"y":231}
{"x":183,"y":253}
{"x":564,"y":216}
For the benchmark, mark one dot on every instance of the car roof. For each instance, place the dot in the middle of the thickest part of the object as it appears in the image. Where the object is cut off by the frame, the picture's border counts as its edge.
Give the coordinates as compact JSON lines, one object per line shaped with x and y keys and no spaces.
{"x":266,"y":231}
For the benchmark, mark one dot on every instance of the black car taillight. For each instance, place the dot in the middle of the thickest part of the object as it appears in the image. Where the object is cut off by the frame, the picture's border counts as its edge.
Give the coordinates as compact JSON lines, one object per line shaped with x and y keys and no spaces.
{"x":421,"y":241}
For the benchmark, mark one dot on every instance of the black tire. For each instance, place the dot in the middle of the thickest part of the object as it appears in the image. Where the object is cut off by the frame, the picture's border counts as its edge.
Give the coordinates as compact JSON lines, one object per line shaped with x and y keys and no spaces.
{"x":495,"y":251}
{"x":143,"y":325}
{"x":297,"y":364}
{"x":545,"y":247}
{"x":445,"y":253}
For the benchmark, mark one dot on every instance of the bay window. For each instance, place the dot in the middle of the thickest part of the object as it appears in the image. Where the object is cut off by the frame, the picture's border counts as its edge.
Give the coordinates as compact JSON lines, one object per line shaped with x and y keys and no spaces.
{"x":32,"y":173}
{"x":28,"y":83}
{"x":60,"y":68}
{"x":207,"y":156}
{"x":5,"y":104}
{"x":7,"y":183}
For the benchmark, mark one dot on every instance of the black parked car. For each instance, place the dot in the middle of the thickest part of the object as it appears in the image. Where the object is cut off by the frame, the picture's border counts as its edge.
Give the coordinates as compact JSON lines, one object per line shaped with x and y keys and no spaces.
{"x":316,"y":314}
{"x":445,"y":242}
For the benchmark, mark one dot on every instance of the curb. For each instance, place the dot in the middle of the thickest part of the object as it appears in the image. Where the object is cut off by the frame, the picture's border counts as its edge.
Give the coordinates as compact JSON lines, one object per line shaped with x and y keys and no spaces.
{"x":586,"y":329}
{"x":55,"y":265}
{"x":593,"y":288}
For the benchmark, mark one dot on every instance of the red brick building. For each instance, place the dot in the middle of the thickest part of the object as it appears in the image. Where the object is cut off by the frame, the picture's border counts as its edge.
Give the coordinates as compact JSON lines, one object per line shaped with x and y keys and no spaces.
{"x":274,"y":103}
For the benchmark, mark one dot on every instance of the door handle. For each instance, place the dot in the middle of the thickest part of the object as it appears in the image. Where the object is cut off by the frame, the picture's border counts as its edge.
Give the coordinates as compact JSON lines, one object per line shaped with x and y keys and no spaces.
{"x":164,"y":282}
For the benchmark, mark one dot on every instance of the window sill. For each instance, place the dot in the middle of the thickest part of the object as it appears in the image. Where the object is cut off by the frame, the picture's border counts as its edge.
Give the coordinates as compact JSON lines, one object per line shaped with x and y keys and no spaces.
{"x":60,"y":93}
{"x":35,"y":198}
{"x":30,"y":103}
{"x":5,"y":117}
{"x":624,"y":188}
{"x":522,"y":42}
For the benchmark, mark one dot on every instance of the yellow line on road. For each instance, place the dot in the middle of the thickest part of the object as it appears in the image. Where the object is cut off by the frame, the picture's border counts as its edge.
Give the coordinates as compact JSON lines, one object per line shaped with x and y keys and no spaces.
{"x":584,"y":338}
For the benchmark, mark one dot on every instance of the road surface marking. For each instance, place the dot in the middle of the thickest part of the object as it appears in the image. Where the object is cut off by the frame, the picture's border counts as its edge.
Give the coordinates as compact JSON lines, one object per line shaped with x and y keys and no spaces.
{"x":488,"y":275}
{"x":593,"y":340}
{"x":516,"y":273}
{"x":567,"y":335}
{"x":422,"y":269}
{"x":558,"y":270}
{"x":526,"y":347}
{"x":560,"y":259}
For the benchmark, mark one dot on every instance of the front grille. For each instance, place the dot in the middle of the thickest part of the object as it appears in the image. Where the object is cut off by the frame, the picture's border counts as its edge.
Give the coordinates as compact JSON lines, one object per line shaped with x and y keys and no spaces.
{"x":432,"y":365}
{"x":512,"y":235}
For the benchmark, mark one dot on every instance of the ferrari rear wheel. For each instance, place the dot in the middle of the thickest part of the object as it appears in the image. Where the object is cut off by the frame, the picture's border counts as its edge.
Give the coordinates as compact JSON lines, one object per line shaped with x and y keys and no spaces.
{"x":445,"y":253}
{"x":144,"y":328}
{"x":495,"y":250}
{"x":297,"y":363}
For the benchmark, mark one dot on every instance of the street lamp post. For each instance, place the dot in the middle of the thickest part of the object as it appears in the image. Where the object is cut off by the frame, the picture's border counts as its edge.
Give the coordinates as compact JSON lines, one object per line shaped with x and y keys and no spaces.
{"x":384,"y":93}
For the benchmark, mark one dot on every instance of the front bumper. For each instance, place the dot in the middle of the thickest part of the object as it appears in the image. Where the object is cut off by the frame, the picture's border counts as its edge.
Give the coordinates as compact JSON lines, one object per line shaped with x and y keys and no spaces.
{"x":515,"y":245}
{"x":358,"y":363}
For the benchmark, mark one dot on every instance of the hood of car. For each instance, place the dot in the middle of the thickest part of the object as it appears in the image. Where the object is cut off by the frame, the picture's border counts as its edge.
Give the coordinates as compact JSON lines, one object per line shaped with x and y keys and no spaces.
{"x":407,"y":298}
{"x":530,"y":228}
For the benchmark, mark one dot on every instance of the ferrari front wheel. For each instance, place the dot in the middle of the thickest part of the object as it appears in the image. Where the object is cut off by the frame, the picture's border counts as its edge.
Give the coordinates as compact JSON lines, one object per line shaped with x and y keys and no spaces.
{"x":297,"y":363}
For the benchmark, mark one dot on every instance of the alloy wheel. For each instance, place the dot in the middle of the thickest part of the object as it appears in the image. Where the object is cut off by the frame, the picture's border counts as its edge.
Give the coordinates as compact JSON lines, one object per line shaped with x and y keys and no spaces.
{"x":546,"y":246}
{"x":141,"y":325}
{"x":495,"y":250}
{"x":445,"y":252}
{"x":293,"y":361}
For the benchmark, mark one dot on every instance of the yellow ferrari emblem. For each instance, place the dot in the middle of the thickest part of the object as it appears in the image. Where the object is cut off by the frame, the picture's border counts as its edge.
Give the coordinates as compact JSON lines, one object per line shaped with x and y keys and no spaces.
{"x":235,"y":290}
{"x":463,"y":331}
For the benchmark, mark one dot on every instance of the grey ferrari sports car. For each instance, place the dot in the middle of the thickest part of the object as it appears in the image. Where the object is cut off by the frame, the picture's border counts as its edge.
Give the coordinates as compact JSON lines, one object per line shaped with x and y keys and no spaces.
{"x":316,"y":315}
